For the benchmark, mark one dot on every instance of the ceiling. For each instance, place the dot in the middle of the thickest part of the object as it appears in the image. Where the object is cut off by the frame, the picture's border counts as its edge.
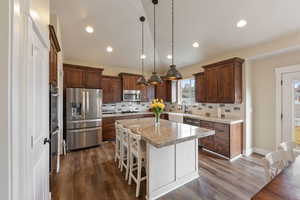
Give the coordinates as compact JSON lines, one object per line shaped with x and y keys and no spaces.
{"x":211,"y":23}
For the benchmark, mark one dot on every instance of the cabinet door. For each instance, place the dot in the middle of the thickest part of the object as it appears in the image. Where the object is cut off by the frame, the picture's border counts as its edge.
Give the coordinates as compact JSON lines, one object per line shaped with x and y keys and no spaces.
{"x":208,"y":142}
{"x":211,"y":77}
{"x":222,"y":139}
{"x":111,"y":87}
{"x":74,"y":78}
{"x":93,"y":79}
{"x":200,"y":88}
{"x":226,"y":92}
{"x":116,"y":85}
{"x":163,"y":91}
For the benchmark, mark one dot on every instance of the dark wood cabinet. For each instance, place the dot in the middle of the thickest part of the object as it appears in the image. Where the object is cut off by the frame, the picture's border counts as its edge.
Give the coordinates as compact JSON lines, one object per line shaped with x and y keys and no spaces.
{"x":108,"y":125}
{"x":82,"y":77}
{"x":93,"y":79}
{"x":227,"y":140}
{"x":54,"y":49}
{"x":112,"y":91}
{"x":221,"y":82}
{"x":200,"y":87}
{"x":164,"y":91}
{"x":129,"y":81}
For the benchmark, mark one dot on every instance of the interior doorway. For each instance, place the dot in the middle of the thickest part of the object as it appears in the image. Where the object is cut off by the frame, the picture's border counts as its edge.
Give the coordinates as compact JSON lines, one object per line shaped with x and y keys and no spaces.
{"x":290,"y":98}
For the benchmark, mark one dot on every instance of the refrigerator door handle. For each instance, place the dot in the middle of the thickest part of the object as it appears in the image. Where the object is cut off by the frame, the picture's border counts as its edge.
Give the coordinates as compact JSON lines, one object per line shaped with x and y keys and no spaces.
{"x":83,"y":102}
{"x":87,"y":101}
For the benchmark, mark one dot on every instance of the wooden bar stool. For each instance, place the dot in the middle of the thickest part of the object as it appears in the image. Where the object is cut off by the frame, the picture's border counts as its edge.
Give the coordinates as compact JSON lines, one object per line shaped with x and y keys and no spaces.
{"x":137,"y":160}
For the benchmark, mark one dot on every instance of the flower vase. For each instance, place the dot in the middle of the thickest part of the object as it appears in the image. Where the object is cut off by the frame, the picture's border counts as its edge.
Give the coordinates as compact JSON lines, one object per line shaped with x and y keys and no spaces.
{"x":157,"y":119}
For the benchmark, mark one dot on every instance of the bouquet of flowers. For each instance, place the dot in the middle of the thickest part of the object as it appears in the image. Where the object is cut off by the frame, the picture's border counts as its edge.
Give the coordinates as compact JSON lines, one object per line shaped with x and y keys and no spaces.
{"x":157,"y":106}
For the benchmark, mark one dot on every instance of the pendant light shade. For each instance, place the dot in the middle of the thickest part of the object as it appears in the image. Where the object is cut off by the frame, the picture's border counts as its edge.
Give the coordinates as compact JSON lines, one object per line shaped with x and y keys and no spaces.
{"x":173,"y":73}
{"x":154,"y":79}
{"x":142,"y":81}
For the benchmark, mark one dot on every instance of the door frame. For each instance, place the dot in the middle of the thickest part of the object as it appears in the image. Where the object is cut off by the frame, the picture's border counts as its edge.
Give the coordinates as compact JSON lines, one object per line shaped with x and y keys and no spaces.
{"x":278,"y":110}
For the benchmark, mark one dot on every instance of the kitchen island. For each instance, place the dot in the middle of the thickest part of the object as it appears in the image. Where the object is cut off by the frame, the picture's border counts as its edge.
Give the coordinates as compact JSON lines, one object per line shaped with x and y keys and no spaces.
{"x":172,"y":153}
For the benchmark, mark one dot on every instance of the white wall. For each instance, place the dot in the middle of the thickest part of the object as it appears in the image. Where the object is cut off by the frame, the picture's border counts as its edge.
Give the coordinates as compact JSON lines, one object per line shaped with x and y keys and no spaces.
{"x":5,"y":99}
{"x":263,"y":96}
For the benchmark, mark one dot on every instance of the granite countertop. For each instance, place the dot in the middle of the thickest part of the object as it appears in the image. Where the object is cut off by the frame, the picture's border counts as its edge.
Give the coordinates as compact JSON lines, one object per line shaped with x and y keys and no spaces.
{"x":167,"y":133}
{"x":200,"y":117}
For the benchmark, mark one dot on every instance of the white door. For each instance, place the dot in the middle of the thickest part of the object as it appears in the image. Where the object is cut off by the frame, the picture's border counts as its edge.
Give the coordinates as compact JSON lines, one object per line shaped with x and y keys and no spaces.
{"x":38,"y":116}
{"x":290,"y":105}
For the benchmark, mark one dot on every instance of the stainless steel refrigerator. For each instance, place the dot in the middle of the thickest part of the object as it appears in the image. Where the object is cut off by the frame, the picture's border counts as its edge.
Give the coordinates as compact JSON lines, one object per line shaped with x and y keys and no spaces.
{"x":83,"y":118}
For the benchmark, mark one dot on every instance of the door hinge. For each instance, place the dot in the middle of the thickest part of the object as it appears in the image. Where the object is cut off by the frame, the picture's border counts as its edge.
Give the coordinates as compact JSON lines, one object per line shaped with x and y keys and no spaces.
{"x":281,"y":82}
{"x":281,"y":116}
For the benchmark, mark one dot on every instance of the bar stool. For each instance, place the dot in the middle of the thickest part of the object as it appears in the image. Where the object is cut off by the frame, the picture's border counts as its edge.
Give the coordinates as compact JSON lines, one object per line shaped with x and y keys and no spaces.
{"x":137,"y":160}
{"x":118,"y":128}
{"x":124,"y":150}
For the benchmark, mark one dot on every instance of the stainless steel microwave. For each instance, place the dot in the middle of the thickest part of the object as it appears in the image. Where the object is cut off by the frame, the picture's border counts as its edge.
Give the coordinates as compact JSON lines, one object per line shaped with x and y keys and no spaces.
{"x":131,"y":95}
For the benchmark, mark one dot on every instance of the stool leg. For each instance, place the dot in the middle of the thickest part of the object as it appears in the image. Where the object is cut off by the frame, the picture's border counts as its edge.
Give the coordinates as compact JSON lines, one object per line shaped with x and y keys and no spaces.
{"x":130,"y":169}
{"x":127,"y":164}
{"x":139,"y":175}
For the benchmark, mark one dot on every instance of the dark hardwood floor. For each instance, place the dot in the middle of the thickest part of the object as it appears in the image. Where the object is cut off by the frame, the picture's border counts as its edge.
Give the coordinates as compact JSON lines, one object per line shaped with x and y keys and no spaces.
{"x":93,"y":175}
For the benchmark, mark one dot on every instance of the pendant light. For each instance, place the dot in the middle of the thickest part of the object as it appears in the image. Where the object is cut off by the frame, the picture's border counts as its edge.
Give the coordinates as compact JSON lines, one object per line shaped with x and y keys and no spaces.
{"x":142,"y":81}
{"x":154,"y":79}
{"x":173,"y":73}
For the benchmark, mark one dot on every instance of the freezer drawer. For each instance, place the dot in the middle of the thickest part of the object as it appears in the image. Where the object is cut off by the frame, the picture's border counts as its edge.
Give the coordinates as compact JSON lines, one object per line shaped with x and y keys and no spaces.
{"x":84,"y":124}
{"x":82,"y":138}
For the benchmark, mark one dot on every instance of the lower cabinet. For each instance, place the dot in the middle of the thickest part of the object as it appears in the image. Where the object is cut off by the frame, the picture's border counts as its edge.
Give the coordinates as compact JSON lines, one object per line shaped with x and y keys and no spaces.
{"x":227,"y":141}
{"x":108,"y":125}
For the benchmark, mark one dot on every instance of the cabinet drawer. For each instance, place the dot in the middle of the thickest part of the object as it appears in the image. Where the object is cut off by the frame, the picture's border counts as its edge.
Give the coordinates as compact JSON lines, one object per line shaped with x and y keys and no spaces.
{"x":221,"y":127}
{"x":206,"y":124}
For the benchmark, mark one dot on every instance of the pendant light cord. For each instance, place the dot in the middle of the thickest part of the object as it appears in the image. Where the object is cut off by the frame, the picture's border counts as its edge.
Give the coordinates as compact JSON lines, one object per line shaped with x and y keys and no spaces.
{"x":143,"y":48}
{"x":154,"y":39}
{"x":172,"y":32}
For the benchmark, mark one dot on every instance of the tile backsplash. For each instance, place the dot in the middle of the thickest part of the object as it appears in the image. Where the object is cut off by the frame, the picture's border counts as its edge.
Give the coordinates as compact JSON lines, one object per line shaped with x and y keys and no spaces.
{"x":126,"y":106}
{"x":227,"y":110}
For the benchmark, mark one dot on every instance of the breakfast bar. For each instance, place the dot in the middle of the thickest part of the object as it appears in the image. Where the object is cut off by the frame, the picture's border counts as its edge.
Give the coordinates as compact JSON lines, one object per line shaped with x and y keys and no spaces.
{"x":172,"y":153}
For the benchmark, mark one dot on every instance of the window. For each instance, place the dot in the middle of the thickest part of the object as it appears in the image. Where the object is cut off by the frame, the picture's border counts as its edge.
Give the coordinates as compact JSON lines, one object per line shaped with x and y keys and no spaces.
{"x":186,"y":91}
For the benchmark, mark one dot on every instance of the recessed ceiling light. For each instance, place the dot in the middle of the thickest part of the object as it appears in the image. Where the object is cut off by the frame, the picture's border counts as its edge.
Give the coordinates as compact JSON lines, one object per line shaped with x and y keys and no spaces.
{"x":196,"y":44}
{"x":169,"y":56}
{"x":89,"y":29}
{"x":143,"y":56}
{"x":109,"y":49}
{"x":242,"y":23}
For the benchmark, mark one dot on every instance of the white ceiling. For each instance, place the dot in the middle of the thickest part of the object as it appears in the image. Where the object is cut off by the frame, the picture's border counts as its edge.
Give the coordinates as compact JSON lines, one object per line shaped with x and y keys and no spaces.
{"x":210,"y":22}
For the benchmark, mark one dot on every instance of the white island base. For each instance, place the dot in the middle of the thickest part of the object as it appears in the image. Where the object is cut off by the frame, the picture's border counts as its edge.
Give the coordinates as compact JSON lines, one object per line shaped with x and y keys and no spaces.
{"x":171,"y":167}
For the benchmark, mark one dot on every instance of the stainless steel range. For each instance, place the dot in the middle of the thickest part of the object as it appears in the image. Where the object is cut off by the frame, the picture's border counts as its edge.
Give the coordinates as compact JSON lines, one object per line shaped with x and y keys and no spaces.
{"x":83,"y":118}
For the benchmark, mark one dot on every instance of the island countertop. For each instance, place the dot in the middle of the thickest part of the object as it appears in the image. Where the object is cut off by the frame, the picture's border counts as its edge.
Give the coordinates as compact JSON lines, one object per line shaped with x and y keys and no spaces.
{"x":167,"y":133}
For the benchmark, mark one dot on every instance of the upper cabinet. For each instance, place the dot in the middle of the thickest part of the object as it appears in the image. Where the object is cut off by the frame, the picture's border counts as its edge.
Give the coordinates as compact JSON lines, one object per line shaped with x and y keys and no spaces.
{"x":129,"y":81}
{"x":82,"y":77}
{"x":200,"y":87}
{"x":221,"y":82}
{"x":164,"y":91}
{"x":112,"y":91}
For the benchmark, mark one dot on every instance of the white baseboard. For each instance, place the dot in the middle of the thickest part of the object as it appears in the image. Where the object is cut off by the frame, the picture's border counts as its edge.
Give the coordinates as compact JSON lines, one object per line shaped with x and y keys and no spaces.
{"x":248,"y":152}
{"x":261,"y":151}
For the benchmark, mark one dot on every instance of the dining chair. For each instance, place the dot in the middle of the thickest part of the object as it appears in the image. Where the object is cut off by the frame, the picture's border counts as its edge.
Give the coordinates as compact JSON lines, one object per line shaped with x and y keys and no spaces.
{"x":292,"y":147}
{"x":137,"y":160}
{"x":275,"y":162}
